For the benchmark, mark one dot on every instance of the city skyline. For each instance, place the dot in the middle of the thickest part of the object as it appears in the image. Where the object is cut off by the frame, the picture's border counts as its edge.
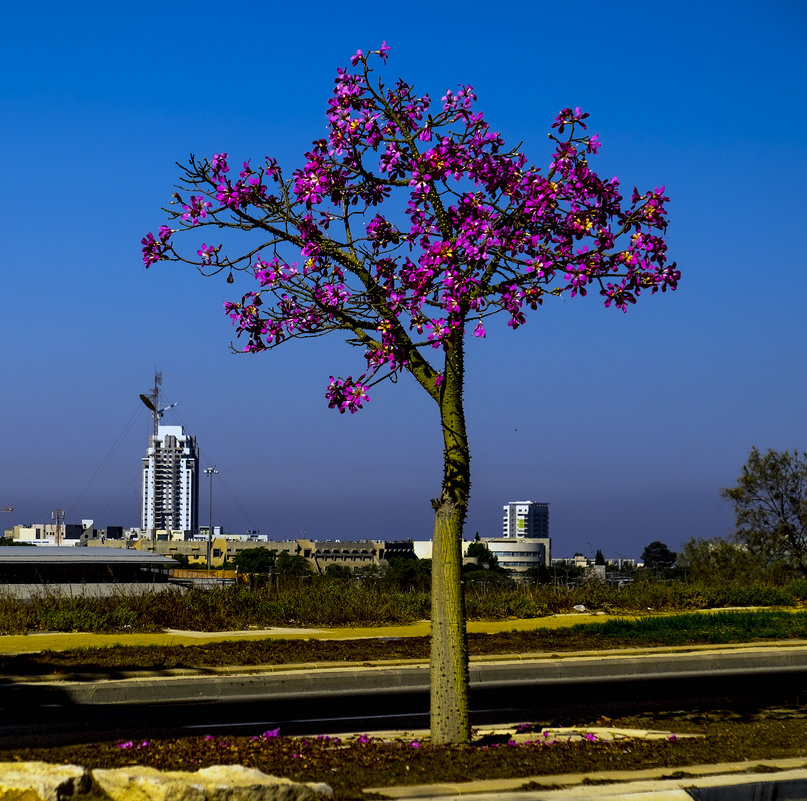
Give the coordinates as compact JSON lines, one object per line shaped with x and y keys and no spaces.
{"x":627,"y":425}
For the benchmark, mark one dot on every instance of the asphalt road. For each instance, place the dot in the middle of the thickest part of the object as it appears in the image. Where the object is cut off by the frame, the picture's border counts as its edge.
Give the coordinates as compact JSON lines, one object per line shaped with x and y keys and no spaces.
{"x":385,"y":697}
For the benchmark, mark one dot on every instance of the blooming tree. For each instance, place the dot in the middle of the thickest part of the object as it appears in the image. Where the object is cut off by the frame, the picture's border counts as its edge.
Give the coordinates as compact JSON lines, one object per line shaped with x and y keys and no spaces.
{"x":476,"y":232}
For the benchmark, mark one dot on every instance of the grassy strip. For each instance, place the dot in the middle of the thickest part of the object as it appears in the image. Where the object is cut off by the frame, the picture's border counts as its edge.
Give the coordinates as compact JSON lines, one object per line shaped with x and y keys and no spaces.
{"x":719,"y":627}
{"x":329,"y":603}
{"x":687,"y":629}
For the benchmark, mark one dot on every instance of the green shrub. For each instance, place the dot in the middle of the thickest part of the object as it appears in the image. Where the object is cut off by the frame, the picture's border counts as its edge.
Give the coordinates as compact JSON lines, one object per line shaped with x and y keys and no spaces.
{"x":370,"y":600}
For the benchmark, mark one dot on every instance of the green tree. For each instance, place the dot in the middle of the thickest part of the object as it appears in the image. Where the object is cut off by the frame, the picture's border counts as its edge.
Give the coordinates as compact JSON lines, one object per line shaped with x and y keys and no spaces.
{"x":770,"y":506}
{"x":255,"y":560}
{"x":599,"y":559}
{"x":717,"y":561}
{"x":479,"y":550}
{"x":372,"y":572}
{"x":409,"y":574}
{"x":541,"y":574}
{"x":288,"y":564}
{"x":341,"y":572}
{"x":658,"y":557}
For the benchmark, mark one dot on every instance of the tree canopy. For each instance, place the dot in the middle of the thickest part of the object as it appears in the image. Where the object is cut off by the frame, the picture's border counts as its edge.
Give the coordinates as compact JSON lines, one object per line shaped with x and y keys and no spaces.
{"x":478,"y":233}
{"x":718,"y":561}
{"x":770,"y":506}
{"x":657,"y":556}
{"x":481,"y":552}
{"x":405,"y":229}
{"x":255,"y":560}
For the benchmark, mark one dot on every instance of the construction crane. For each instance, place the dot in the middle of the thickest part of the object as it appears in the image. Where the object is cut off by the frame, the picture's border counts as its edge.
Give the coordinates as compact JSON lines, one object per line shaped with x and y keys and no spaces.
{"x":152,"y":401}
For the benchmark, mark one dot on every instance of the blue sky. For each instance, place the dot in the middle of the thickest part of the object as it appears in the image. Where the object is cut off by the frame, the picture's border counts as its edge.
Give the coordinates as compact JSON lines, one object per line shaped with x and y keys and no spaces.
{"x":628,"y":425}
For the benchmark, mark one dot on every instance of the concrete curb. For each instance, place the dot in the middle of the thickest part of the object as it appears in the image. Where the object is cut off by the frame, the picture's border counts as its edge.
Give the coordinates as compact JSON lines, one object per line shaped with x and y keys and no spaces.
{"x":732,"y":781}
{"x":531,"y":656}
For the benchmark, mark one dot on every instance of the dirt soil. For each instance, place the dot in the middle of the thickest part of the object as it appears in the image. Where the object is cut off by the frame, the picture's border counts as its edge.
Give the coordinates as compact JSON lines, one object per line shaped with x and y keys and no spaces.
{"x":360,"y":762}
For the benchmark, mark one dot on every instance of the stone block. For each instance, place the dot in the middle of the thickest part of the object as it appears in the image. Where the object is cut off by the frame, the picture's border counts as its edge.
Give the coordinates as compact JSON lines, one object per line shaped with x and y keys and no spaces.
{"x":41,"y":781}
{"x":217,"y":783}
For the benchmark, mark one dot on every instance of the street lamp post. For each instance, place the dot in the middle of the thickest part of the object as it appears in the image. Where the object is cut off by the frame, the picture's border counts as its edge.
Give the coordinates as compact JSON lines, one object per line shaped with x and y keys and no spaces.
{"x":210,"y":471}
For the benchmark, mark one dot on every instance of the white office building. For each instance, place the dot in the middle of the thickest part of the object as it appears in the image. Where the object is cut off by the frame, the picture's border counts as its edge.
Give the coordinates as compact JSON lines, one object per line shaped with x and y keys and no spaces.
{"x":525,"y":542}
{"x":170,"y":482}
{"x":526,"y":519}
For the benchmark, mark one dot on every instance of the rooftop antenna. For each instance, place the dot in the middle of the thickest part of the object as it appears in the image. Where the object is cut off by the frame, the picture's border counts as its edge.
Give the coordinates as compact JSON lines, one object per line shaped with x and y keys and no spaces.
{"x":152,"y":401}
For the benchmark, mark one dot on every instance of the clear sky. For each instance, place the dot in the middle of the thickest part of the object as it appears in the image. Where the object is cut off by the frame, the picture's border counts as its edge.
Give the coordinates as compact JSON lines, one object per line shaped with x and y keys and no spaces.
{"x":628,"y":425}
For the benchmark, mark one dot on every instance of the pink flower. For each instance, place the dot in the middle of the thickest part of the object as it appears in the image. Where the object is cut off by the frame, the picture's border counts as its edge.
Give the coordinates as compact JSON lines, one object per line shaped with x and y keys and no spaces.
{"x":482,"y":231}
{"x":346,"y":394}
{"x":219,"y":165}
{"x":152,"y":250}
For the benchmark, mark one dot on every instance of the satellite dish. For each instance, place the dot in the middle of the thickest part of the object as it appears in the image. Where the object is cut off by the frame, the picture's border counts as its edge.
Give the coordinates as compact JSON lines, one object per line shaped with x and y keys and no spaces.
{"x":147,"y":400}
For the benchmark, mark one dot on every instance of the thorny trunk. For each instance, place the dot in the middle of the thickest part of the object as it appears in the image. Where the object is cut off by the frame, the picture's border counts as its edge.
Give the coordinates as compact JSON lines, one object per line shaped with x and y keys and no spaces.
{"x":449,"y":650}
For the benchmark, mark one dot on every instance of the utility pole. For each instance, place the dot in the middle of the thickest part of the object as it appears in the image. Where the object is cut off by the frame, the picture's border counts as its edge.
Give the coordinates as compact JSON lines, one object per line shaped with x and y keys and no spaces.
{"x":58,"y":516}
{"x":210,"y":471}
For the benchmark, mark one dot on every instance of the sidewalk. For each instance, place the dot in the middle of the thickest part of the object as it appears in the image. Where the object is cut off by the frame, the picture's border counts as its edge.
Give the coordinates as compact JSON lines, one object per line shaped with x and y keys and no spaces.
{"x":781,"y":779}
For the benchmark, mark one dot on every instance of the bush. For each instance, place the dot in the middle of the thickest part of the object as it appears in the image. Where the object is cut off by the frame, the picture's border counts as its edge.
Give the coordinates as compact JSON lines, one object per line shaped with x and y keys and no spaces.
{"x":371,"y":600}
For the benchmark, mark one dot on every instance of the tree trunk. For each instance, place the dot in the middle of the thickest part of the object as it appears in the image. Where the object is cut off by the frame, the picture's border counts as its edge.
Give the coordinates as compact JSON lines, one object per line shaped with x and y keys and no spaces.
{"x":449,"y":649}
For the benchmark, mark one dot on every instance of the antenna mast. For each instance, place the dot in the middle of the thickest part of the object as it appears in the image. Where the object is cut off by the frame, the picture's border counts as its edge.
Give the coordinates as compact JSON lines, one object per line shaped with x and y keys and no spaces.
{"x":152,"y":400}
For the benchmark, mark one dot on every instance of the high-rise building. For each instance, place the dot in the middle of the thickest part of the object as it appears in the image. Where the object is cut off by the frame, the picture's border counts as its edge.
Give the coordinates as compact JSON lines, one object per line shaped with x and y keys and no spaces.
{"x":526,"y":519}
{"x":170,"y":481}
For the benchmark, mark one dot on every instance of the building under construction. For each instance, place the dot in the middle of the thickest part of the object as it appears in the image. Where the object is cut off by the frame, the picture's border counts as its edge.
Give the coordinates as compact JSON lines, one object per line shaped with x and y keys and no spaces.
{"x":170,"y":474}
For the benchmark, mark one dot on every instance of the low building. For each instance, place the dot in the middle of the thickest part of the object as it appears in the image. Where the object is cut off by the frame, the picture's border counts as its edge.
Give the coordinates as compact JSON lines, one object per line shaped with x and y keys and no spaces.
{"x":422,"y":548}
{"x":319,"y":554}
{"x":518,"y":555}
{"x":346,"y":554}
{"x":79,"y":571}
{"x":399,"y":549}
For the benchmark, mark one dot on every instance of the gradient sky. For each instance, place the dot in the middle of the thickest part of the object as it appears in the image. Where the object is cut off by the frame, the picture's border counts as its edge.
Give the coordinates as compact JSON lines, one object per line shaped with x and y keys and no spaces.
{"x":628,"y":425}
